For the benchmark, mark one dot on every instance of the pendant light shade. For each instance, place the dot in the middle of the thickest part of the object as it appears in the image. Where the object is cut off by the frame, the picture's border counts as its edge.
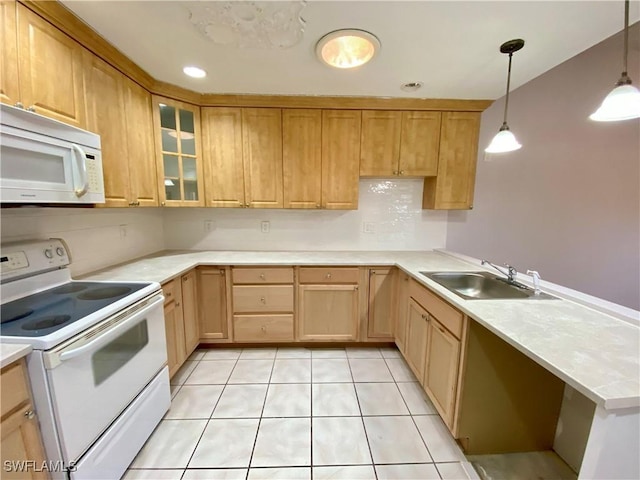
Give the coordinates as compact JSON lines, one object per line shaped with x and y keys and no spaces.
{"x":623,"y":103}
{"x":505,"y":141}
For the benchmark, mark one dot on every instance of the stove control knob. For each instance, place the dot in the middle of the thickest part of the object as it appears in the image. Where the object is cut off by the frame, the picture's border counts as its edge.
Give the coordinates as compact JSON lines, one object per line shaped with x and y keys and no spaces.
{"x":48,"y":253}
{"x":60,"y":251}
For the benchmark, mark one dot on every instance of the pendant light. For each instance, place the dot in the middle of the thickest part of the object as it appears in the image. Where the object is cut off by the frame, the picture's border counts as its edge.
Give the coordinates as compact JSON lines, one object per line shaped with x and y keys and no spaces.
{"x":623,"y":103}
{"x":505,"y":141}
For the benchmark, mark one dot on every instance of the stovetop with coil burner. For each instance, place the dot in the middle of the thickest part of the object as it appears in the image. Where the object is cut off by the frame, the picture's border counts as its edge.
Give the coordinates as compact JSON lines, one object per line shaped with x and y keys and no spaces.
{"x":45,"y":312}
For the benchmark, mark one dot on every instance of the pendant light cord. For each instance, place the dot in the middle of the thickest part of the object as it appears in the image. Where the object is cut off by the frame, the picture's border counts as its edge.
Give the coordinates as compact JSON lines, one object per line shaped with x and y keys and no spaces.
{"x":626,"y":38}
{"x":506,"y":102}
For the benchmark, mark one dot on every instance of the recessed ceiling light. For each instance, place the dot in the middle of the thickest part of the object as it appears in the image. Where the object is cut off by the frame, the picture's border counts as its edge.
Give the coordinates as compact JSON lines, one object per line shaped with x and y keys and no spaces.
{"x":194,"y":72}
{"x":347,"y":48}
{"x":411,"y":86}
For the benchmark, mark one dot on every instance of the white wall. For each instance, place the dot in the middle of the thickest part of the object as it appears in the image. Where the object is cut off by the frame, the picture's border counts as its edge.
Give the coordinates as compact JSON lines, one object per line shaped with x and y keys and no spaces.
{"x":94,"y":235}
{"x":568,"y":203}
{"x":394,"y":207}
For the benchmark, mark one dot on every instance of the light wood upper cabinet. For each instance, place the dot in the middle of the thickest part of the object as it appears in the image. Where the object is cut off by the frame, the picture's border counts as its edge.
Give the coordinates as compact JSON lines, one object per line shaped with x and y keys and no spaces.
{"x":399,"y":143}
{"x":143,"y":179}
{"x":340,"y":159}
{"x":302,"y":158}
{"x":105,"y":116}
{"x":179,"y":157}
{"x":9,"y":86}
{"x":262,"y":153}
{"x":382,"y":303}
{"x":212,"y":303}
{"x":454,"y":185}
{"x":50,"y":70}
{"x":419,"y":144}
{"x":222,"y":154}
{"x":21,"y":438}
{"x":380,"y":143}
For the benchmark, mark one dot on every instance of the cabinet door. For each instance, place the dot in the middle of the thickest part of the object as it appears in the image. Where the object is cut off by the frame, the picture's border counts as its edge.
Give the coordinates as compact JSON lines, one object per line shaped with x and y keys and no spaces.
{"x":340,"y":159}
{"x":262,"y":152}
{"x":419,"y":144}
{"x":9,"y":86}
{"x":441,"y":374}
{"x":141,"y":155}
{"x":174,"y":331}
{"x":302,"y":158}
{"x":21,"y":442}
{"x":382,"y":303}
{"x":50,"y":70}
{"x":223,"y":170}
{"x":380,"y":143}
{"x":105,"y":116}
{"x":417,"y":333}
{"x":454,"y":185}
{"x":328,"y":312}
{"x":212,"y":301}
{"x":179,"y":161}
{"x":190,"y":312}
{"x":400,"y":330}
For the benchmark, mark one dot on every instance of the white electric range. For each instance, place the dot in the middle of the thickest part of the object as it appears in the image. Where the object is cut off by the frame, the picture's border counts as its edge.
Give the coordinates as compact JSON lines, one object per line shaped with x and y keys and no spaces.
{"x":98,"y":366}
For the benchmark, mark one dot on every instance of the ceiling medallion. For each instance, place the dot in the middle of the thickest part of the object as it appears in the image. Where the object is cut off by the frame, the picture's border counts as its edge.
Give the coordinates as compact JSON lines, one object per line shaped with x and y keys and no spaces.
{"x":265,"y":24}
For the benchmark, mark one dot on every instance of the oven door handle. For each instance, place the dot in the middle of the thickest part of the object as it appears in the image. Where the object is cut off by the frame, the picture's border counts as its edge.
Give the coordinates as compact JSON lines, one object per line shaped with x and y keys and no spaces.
{"x":100,"y":340}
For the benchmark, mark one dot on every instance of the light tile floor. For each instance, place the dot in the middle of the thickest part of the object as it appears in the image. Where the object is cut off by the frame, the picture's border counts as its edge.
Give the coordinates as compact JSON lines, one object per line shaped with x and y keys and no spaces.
{"x":297,"y":413}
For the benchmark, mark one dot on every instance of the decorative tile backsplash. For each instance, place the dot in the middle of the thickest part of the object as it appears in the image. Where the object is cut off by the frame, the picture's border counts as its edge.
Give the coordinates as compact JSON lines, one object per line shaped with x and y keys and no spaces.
{"x":389,"y":217}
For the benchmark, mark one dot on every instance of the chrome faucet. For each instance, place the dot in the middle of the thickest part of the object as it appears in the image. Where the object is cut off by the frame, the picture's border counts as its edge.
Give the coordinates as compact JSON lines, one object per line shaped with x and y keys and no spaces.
{"x":510,"y":273}
{"x":536,"y":281}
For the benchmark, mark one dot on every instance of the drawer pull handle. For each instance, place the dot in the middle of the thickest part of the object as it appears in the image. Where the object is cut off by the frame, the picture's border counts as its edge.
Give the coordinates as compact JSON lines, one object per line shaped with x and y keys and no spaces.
{"x":262,"y":276}
{"x":263,"y":328}
{"x":177,"y":304}
{"x":263,"y":300}
{"x":328,"y":275}
{"x":169,"y":294}
{"x":424,"y":316}
{"x":29,"y":414}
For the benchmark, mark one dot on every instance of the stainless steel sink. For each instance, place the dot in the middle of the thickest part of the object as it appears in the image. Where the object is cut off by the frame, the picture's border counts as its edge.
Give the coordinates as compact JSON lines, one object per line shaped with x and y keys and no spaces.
{"x":483,"y":285}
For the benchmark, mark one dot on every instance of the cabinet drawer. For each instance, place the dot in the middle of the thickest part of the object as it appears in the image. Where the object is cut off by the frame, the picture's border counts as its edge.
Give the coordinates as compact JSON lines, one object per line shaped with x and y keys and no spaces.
{"x":170,"y":290}
{"x":256,"y":298}
{"x":14,"y":387}
{"x":448,"y":316}
{"x":263,"y":328}
{"x":262,"y":275}
{"x":323,"y":275}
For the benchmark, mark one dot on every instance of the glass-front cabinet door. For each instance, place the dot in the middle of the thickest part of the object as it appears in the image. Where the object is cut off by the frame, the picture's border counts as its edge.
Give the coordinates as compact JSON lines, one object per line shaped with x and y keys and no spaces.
{"x":179,"y":161}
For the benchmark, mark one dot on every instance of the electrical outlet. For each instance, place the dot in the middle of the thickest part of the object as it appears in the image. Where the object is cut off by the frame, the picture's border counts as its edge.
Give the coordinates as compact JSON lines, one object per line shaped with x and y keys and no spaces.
{"x":208,"y":226}
{"x":369,"y":227}
{"x":265,"y":226}
{"x":123,"y":231}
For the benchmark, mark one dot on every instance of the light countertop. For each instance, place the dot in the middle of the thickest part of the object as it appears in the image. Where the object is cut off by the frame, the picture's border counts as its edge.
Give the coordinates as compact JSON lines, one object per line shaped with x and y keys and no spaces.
{"x":9,"y":353}
{"x":595,"y":353}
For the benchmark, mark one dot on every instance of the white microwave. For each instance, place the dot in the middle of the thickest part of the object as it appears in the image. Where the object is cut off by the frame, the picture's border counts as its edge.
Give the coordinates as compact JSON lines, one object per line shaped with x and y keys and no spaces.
{"x":46,"y":161}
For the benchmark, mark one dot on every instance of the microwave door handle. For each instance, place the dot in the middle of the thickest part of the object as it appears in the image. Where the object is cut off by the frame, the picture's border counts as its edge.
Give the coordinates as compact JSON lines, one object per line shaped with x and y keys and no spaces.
{"x":101,"y":340}
{"x":81,"y":163}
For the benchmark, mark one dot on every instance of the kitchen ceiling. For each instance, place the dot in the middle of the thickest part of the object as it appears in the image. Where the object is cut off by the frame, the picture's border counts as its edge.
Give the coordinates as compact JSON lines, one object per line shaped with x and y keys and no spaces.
{"x":452,"y":46}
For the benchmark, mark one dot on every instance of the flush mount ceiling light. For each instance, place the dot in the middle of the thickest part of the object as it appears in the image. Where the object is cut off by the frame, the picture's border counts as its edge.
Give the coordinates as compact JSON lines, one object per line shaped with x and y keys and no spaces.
{"x":411,"y":86}
{"x":194,"y":72}
{"x":254,"y":24}
{"x":348,"y":48}
{"x":505,"y":141}
{"x":623,"y":102}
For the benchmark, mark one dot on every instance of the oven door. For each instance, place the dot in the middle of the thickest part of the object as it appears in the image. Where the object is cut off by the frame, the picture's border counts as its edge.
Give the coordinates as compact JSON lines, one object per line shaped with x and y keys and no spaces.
{"x":96,"y":375}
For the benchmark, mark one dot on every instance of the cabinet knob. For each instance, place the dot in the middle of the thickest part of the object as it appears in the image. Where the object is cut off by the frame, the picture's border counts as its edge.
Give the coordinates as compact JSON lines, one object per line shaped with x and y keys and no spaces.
{"x":162,"y":204}
{"x":263,"y":328}
{"x":395,"y":172}
{"x":424,"y":316}
{"x":19,"y":105}
{"x":169,"y":294}
{"x":29,"y":414}
{"x":185,"y":279}
{"x":177,"y":304}
{"x":32,"y":108}
{"x":356,"y":287}
{"x":221,"y":272}
{"x":317,"y":205}
{"x":328,"y":275}
{"x":246,"y":205}
{"x":263,"y":300}
{"x":262,"y":276}
{"x":131,"y":204}
{"x":401,"y":172}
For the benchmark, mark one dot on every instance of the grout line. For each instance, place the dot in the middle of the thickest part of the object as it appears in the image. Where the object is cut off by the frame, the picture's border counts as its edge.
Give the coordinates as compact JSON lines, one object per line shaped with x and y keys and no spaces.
{"x":366,"y":435}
